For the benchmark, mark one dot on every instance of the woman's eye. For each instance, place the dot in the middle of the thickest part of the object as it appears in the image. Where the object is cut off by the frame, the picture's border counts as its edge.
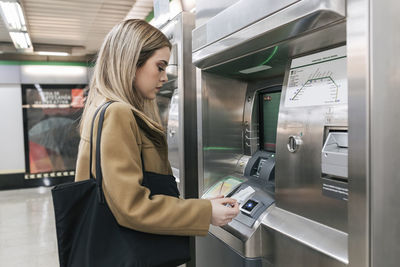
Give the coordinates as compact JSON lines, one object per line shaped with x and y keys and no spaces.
{"x":160,"y":69}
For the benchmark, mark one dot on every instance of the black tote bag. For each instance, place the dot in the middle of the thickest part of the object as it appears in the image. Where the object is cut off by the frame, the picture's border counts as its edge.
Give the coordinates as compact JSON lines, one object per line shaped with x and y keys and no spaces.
{"x":88,"y":234}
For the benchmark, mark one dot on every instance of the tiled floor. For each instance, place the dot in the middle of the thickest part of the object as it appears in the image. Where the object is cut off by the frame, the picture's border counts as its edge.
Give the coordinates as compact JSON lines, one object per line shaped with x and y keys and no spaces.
{"x":27,"y":229}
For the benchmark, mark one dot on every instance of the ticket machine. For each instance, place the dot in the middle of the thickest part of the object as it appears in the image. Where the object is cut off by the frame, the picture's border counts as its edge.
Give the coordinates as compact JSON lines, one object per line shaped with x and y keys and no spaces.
{"x":177,"y":104}
{"x":272,"y":132}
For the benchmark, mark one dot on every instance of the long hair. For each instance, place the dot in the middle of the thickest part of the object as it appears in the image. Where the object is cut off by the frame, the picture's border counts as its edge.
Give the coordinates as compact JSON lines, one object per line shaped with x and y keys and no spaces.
{"x":126,"y":48}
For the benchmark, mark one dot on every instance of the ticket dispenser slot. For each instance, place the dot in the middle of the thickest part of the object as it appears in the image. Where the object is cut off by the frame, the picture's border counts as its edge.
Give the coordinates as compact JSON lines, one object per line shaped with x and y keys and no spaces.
{"x":334,"y":165}
{"x":335,"y":156}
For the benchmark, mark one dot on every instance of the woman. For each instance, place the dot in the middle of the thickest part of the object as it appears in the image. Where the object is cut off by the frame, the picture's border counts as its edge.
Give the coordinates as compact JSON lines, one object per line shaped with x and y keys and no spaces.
{"x":130,"y":70}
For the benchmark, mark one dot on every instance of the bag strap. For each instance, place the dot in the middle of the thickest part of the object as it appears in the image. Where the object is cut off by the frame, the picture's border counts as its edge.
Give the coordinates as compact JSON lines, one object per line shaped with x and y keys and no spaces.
{"x":99,"y":173}
{"x":91,"y":141}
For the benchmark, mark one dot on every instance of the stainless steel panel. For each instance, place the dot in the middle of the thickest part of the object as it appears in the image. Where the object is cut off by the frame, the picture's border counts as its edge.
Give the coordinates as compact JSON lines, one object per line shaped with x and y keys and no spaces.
{"x":163,"y":107}
{"x":384,"y":23}
{"x":173,"y":136}
{"x":248,"y":242}
{"x":358,"y":70}
{"x":206,"y":9}
{"x":298,"y":175}
{"x":299,"y":18}
{"x":199,"y":126}
{"x":221,"y":132}
{"x":250,"y":11}
{"x":317,"y":25}
{"x":318,"y":237}
{"x":181,"y":126}
{"x":291,"y":253}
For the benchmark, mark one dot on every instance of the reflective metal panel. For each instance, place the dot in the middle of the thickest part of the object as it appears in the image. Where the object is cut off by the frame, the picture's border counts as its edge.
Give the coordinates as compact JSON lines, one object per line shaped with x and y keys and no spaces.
{"x":206,"y":9}
{"x":173,"y":134}
{"x":251,"y":11}
{"x":231,"y":70}
{"x":359,"y":149}
{"x":298,"y":175}
{"x":299,"y":18}
{"x":326,"y":240}
{"x":222,"y":116}
{"x":163,"y":107}
{"x":384,"y":23}
{"x":181,"y":125}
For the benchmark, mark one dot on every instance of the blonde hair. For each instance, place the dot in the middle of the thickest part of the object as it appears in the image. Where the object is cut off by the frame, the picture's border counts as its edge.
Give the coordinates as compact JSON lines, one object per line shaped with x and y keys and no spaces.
{"x":126,"y":48}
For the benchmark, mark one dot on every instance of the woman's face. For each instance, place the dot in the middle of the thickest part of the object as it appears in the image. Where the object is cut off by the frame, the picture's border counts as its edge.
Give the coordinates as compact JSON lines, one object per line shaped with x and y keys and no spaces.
{"x":151,"y":76}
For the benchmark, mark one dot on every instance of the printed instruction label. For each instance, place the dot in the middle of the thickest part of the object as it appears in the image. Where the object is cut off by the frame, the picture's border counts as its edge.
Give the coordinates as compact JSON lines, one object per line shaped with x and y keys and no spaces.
{"x":318,"y":79}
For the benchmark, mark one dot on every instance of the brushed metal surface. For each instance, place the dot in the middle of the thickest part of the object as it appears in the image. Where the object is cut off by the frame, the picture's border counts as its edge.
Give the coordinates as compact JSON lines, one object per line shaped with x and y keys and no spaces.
{"x":249,"y":242}
{"x":181,"y":125}
{"x":319,"y":237}
{"x":298,"y":175}
{"x":300,"y":18}
{"x":173,"y":135}
{"x":223,"y":95}
{"x":221,"y":132}
{"x":206,"y":9}
{"x":163,"y":103}
{"x":358,"y":69}
{"x":384,"y":53}
{"x":250,"y":11}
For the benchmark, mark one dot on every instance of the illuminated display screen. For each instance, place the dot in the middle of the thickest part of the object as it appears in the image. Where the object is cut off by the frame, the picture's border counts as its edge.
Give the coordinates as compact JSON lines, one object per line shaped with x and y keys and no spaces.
{"x":269,"y":119}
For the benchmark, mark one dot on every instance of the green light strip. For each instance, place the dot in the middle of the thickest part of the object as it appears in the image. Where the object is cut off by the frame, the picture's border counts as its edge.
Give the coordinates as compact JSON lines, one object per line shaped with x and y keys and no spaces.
{"x":270,"y":56}
{"x":218,"y":148}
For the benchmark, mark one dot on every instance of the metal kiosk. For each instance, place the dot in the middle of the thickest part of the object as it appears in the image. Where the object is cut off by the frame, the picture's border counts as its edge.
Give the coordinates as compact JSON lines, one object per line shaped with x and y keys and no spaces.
{"x":272,"y":131}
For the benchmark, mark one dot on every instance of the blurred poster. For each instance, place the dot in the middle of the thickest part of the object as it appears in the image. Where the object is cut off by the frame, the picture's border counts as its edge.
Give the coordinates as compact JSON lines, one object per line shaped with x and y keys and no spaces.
{"x":51,"y":121}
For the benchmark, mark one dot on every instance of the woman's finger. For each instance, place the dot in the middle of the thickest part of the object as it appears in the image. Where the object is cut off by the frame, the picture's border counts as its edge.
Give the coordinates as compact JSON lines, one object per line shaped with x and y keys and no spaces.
{"x":216,"y":197}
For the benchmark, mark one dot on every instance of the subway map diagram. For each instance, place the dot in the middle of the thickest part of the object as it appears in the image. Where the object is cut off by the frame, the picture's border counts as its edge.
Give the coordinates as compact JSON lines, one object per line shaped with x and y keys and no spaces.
{"x":318,"y":79}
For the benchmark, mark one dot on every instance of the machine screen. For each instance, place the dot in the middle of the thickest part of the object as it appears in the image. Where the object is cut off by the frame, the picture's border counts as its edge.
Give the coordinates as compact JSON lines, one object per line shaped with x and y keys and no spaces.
{"x":269,"y":119}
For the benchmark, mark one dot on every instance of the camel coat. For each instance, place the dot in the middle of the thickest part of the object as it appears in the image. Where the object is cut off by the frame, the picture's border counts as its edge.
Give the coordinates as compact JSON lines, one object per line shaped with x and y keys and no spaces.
{"x":122,"y":141}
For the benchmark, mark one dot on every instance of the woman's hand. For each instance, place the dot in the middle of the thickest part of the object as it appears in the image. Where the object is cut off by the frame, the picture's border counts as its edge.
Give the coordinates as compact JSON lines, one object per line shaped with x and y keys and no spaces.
{"x":216,"y":197}
{"x":223,"y":210}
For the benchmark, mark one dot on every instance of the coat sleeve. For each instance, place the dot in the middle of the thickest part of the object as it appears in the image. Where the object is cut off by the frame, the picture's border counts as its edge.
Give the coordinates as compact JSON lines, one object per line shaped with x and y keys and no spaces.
{"x":128,"y":200}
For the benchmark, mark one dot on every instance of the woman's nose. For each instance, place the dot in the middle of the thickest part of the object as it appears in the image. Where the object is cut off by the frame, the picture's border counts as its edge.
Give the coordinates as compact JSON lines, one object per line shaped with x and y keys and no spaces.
{"x":164,"y":77}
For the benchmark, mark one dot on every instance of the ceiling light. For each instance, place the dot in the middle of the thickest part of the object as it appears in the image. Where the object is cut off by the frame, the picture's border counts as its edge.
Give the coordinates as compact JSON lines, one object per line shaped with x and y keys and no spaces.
{"x":48,"y":53}
{"x":21,"y":40}
{"x":13,"y":16}
{"x":14,"y":20}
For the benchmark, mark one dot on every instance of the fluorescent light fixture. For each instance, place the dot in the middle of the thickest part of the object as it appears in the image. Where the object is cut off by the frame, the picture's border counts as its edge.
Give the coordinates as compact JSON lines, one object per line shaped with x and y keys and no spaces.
{"x":13,"y":16}
{"x":255,"y":69}
{"x":14,"y":20}
{"x":21,"y":40}
{"x":48,"y":53}
{"x":46,"y":71}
